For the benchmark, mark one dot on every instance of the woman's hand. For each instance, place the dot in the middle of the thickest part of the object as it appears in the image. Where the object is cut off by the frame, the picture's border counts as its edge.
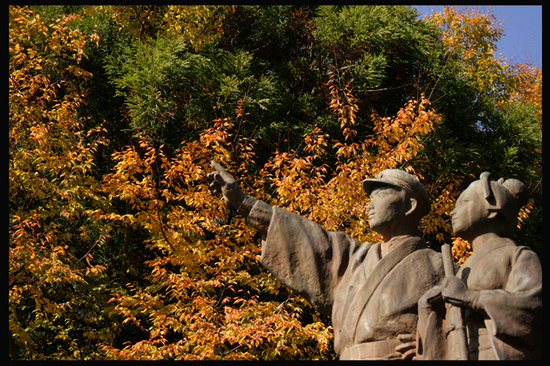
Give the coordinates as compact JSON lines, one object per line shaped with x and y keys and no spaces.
{"x":455,"y":292}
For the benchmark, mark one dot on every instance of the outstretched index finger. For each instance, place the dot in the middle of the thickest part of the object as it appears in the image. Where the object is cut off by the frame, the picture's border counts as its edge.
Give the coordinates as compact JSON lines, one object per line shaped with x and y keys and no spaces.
{"x":221,"y":170}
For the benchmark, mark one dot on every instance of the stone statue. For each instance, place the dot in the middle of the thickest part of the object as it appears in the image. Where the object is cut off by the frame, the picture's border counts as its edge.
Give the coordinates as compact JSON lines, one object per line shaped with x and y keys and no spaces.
{"x":371,"y":290}
{"x":498,"y":289}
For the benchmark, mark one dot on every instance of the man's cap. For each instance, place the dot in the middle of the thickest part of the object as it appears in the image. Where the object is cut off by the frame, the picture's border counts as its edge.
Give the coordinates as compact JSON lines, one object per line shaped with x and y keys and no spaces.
{"x":401,"y":179}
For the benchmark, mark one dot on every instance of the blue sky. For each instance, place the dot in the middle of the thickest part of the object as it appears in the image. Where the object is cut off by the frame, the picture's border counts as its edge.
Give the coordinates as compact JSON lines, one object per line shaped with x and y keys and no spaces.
{"x":522,"y":28}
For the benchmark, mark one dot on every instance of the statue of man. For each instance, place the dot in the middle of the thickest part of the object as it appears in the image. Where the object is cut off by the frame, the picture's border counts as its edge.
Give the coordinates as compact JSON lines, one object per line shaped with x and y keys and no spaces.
{"x":371,"y":290}
{"x":499,"y":286}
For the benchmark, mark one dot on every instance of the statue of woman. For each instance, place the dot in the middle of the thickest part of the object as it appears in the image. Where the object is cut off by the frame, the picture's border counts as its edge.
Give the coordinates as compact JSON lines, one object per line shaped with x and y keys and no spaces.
{"x":498,"y":288}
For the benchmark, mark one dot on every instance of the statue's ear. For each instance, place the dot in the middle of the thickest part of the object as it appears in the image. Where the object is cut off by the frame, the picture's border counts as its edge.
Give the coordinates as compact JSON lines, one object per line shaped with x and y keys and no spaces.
{"x":414,"y":204}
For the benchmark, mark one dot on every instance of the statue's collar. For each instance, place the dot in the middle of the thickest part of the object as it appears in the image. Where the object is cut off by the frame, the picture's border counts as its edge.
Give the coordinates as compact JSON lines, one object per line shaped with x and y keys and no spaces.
{"x":416,"y":241}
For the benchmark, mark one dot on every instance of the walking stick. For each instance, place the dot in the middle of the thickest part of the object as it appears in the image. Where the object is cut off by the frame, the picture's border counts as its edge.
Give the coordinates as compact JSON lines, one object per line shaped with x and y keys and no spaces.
{"x":455,"y":313}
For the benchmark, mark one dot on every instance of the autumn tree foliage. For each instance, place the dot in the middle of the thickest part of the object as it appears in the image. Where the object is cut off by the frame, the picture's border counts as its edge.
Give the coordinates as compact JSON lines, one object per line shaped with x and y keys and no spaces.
{"x":117,"y":249}
{"x":51,"y":156}
{"x":207,"y":297}
{"x":470,"y":34}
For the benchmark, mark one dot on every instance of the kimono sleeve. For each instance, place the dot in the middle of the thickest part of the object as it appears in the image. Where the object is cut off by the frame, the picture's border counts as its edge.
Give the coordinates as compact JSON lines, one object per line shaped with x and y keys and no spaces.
{"x":516,"y":310}
{"x":303,"y":256}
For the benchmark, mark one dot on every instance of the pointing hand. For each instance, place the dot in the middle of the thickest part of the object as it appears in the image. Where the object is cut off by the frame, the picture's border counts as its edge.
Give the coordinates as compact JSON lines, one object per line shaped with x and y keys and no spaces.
{"x":223,"y":183}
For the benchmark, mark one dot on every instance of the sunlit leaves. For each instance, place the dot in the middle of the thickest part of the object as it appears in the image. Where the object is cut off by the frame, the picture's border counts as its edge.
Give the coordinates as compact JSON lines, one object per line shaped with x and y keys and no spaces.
{"x":197,"y":25}
{"x":202,"y":301}
{"x":473,"y":34}
{"x":528,"y":86}
{"x":336,"y":200}
{"x":461,"y":250}
{"x":51,"y":158}
{"x":142,"y":21}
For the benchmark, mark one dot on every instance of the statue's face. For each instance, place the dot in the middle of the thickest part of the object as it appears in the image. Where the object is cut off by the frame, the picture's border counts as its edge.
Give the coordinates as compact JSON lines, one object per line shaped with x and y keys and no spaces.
{"x":387,"y":207}
{"x":469,"y":213}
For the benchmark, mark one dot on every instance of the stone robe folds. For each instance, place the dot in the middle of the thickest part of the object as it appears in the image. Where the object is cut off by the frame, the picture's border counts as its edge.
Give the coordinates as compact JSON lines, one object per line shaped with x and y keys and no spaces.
{"x":505,"y":321}
{"x":372,"y":300}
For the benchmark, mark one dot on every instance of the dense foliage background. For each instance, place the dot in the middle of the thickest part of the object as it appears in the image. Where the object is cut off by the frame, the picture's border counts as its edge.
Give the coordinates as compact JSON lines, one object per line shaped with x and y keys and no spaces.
{"x":117,"y":250}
